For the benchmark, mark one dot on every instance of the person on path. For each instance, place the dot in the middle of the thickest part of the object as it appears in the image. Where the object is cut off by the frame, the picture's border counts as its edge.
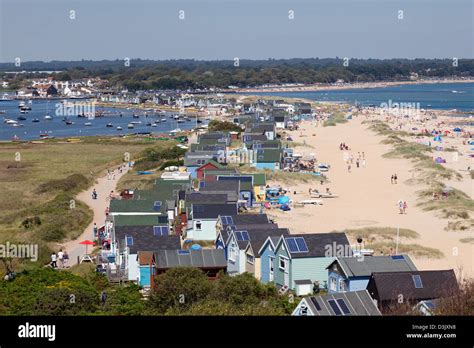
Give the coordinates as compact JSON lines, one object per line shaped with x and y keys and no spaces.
{"x":66,"y":259}
{"x":95,"y":229}
{"x":61,"y":258}
{"x":54,"y":260}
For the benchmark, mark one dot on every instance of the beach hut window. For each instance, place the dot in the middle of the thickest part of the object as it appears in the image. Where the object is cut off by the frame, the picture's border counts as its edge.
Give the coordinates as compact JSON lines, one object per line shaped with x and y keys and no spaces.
{"x":157,"y":205}
{"x":417,"y":281}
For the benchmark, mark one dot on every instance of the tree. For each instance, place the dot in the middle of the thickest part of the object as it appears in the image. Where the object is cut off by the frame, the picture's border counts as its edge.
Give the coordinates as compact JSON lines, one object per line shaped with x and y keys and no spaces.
{"x":179,"y":288}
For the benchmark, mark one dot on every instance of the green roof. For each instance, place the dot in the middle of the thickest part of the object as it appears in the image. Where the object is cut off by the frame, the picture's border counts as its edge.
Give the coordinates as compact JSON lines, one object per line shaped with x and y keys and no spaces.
{"x":259,"y":179}
{"x":134,"y":206}
{"x":269,"y":156}
{"x":140,"y":220}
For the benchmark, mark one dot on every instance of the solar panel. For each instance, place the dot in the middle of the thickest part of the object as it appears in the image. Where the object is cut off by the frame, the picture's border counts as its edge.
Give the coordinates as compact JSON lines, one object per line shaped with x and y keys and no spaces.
{"x":198,"y":208}
{"x":301,"y":244}
{"x":183,"y":252}
{"x":417,"y":281}
{"x":398,"y":257}
{"x":292,"y":245}
{"x":343,"y":306}
{"x":335,"y":307}
{"x":129,"y":240}
{"x":316,"y":304}
{"x":227,"y":220}
{"x":157,"y":205}
{"x":160,"y":230}
{"x":239,"y":236}
{"x":245,"y":235}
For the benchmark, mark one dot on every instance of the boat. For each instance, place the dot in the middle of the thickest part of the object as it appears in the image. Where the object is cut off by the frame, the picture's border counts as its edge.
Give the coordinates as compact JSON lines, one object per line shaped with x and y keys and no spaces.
{"x":17,"y":125}
{"x":131,"y":126}
{"x":23,"y":111}
{"x":136,"y":116}
{"x":175,"y":130}
{"x":136,"y":122}
{"x":5,"y":97}
{"x":154,"y":125}
{"x":163,"y":119}
{"x":148,"y":124}
{"x":35,"y":120}
{"x":119,"y":128}
{"x":8,"y":121}
{"x":198,"y":121}
{"x":21,"y":104}
{"x":47,"y":117}
{"x":68,"y":122}
{"x":180,"y":120}
{"x":109,"y":125}
{"x":21,"y":118}
{"x":87,"y":124}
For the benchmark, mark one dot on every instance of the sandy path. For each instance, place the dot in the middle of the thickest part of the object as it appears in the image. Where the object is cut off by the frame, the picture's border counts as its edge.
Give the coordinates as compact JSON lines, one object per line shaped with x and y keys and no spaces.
{"x":103,"y":186}
{"x":367,"y":197}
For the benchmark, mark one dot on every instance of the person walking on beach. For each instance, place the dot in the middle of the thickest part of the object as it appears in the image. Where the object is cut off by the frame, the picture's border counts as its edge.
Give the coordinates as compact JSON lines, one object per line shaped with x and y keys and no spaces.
{"x":349,"y":168}
{"x":395,"y":178}
{"x":400,"y":206}
{"x":357,"y":163}
{"x":363,"y":155}
{"x":391,"y":179}
{"x":405,"y":206}
{"x":53,"y":260}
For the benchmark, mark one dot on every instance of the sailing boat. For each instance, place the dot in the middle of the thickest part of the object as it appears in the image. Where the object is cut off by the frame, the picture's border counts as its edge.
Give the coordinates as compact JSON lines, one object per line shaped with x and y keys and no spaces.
{"x":47,"y":117}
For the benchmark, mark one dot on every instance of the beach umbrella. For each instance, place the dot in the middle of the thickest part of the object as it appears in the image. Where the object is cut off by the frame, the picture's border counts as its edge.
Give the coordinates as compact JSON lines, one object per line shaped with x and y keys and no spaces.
{"x":195,"y":247}
{"x":437,"y":138}
{"x":457,"y":129}
{"x":86,"y":243}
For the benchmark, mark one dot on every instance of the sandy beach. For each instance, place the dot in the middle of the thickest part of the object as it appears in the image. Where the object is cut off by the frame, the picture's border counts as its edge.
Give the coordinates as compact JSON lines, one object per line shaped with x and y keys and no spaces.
{"x":366,"y":196}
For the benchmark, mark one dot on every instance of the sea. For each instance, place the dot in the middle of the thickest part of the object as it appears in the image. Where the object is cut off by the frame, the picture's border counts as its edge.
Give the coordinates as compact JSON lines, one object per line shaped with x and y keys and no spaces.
{"x":70,"y":109}
{"x":444,"y":96}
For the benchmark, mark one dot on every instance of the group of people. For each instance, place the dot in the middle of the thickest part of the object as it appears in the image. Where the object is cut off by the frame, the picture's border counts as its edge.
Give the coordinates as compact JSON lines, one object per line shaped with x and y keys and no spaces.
{"x":60,"y":260}
{"x":343,"y":146}
{"x":394,"y":178}
{"x":402,"y":206}
{"x":359,"y":161}
{"x":111,"y":173}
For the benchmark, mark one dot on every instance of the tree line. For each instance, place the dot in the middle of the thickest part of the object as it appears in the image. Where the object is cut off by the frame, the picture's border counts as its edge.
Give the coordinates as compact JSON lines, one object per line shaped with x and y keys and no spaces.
{"x":193,"y":74}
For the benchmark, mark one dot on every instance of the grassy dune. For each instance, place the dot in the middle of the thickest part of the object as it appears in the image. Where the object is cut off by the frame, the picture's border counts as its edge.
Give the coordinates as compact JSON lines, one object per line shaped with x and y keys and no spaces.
{"x":39,"y":182}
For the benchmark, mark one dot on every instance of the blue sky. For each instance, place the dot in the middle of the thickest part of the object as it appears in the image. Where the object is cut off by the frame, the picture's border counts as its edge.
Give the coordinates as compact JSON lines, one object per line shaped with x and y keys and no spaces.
{"x":224,"y":29}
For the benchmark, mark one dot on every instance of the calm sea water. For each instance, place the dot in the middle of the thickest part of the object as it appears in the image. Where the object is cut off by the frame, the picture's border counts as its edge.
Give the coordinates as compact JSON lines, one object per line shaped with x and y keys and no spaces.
{"x":57,"y":128}
{"x":445,"y":96}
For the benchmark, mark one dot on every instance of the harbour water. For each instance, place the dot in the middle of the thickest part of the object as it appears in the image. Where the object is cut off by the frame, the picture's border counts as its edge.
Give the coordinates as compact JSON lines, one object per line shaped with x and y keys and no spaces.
{"x":444,"y":96}
{"x":81,"y":126}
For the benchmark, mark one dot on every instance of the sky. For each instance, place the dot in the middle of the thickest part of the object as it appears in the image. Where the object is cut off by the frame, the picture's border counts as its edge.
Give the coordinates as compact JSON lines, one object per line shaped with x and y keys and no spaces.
{"x":226,"y":29}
